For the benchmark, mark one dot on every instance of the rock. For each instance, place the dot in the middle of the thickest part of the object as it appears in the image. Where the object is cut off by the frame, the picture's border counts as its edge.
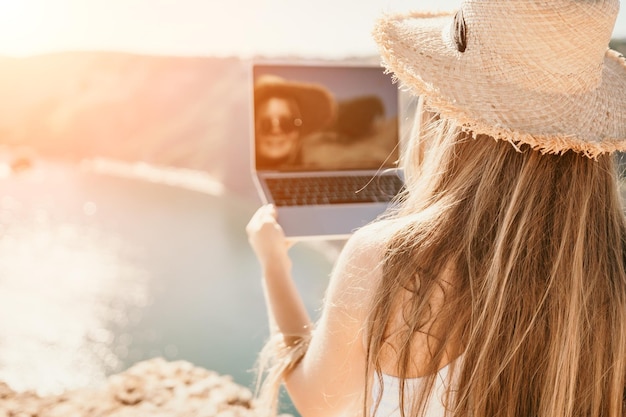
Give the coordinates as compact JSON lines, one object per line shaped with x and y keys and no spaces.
{"x":155,"y":387}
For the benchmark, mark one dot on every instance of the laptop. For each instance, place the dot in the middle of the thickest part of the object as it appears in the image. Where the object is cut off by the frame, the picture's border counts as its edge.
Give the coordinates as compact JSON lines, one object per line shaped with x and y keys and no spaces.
{"x":325,"y":145}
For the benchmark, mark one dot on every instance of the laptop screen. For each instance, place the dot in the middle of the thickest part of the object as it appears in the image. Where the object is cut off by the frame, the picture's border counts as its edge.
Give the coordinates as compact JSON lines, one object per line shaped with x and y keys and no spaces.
{"x":320,"y":117}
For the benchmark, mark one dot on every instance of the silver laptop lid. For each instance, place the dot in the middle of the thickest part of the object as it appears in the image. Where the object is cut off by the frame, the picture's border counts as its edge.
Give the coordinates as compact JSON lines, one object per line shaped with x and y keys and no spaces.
{"x":312,"y":117}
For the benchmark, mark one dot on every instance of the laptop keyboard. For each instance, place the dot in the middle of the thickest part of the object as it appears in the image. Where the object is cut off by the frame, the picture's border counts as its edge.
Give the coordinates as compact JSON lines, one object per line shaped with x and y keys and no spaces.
{"x":333,"y":189}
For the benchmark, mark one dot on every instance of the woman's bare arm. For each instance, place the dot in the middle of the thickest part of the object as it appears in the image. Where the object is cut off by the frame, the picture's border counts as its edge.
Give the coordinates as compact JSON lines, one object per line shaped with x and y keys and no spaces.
{"x":329,"y":380}
{"x":286,"y":310}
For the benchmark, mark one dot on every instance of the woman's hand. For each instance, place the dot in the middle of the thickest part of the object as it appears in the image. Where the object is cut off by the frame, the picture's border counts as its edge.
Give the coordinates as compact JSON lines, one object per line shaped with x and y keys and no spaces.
{"x":266,"y":236}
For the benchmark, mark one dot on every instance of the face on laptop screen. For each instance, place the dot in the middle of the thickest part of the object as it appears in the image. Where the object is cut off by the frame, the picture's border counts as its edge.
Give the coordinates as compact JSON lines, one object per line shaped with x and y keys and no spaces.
{"x":324,"y":118}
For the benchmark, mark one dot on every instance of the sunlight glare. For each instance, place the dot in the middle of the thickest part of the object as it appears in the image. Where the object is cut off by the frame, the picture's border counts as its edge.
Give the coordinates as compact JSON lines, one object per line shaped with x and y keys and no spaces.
{"x":29,"y":27}
{"x":21,"y":25}
{"x":64,"y":288}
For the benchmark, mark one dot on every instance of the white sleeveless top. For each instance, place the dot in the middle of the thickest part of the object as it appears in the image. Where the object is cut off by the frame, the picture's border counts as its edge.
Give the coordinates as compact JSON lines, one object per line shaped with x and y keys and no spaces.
{"x":389,"y":403}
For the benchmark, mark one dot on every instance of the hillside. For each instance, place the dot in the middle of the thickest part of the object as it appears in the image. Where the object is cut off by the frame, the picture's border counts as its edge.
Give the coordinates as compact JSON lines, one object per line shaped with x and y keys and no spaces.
{"x":182,"y":112}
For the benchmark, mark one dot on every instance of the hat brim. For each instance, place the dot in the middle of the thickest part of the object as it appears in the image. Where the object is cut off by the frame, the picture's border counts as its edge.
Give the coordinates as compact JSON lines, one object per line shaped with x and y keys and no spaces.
{"x":418,"y":49}
{"x":316,"y":104}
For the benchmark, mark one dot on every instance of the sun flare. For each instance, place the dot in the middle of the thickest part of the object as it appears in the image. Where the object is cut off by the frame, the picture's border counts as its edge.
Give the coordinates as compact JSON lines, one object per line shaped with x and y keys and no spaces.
{"x":25,"y":26}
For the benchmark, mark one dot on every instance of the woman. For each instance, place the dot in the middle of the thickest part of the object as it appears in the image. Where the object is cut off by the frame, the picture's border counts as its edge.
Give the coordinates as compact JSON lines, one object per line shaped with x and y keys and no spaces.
{"x":285,"y":112}
{"x":498,"y":285}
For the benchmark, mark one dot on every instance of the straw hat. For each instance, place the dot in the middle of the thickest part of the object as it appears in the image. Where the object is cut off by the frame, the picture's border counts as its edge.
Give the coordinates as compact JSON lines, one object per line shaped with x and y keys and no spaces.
{"x":526,"y":71}
{"x":316,"y":103}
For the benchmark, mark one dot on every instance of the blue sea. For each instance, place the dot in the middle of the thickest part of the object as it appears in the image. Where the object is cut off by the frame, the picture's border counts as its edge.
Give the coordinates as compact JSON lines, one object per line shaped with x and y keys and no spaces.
{"x":104,"y":264}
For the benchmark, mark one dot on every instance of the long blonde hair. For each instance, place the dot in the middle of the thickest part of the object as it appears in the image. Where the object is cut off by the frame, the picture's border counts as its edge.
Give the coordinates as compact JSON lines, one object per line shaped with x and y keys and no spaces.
{"x":537,"y":247}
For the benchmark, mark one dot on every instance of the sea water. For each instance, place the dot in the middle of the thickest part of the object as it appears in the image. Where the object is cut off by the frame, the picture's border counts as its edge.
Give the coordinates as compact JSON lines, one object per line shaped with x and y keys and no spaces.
{"x":101,"y":268}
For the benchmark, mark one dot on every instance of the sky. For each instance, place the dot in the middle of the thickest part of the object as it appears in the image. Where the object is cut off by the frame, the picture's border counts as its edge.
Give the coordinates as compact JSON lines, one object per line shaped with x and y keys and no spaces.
{"x":319,"y":28}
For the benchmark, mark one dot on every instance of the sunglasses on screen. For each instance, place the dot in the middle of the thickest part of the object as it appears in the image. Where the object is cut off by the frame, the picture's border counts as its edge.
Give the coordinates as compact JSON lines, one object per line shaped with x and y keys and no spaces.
{"x":266,"y":125}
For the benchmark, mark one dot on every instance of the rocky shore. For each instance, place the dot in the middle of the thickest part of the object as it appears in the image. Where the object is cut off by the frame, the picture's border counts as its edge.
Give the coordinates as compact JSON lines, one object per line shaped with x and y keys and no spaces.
{"x":155,"y":388}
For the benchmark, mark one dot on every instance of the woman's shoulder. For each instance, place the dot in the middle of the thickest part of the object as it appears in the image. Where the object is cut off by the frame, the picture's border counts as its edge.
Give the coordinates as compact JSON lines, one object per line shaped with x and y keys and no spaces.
{"x":370,"y":240}
{"x":364,"y":251}
{"x":378,"y":234}
{"x":357,"y":273}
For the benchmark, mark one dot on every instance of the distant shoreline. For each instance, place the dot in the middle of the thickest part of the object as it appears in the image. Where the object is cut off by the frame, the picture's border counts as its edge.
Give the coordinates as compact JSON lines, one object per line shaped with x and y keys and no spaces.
{"x":190,"y":179}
